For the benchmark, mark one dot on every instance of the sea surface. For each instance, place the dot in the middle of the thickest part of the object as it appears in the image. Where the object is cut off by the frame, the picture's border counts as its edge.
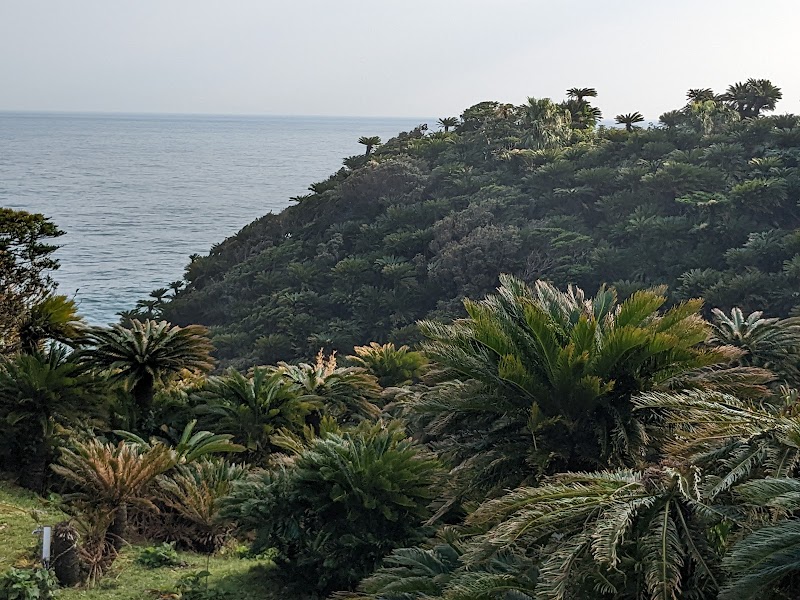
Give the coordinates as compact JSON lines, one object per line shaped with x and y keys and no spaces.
{"x":138,"y":194}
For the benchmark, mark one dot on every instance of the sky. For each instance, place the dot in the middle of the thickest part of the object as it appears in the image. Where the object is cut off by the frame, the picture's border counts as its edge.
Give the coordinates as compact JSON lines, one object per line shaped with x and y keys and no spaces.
{"x":385,"y":57}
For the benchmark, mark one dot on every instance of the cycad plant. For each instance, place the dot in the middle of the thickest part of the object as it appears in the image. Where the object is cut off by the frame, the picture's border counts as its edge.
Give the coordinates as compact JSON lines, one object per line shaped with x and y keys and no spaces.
{"x":107,"y":478}
{"x":253,"y":408}
{"x":344,"y":503}
{"x":537,"y":381}
{"x":391,"y":365}
{"x":191,"y":445}
{"x":348,"y":394}
{"x":769,"y":343}
{"x":447,"y":122}
{"x":42,"y":394}
{"x":765,"y":563}
{"x":629,"y":120}
{"x":437,"y":571}
{"x":189,"y":497}
{"x":611,"y":534}
{"x":54,"y":319}
{"x":146,"y":354}
{"x":732,"y":439}
{"x":369,"y":142}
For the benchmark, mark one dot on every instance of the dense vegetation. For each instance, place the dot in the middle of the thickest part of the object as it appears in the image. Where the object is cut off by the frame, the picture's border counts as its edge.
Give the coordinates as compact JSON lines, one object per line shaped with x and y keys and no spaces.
{"x":549,"y":443}
{"x":706,"y":203}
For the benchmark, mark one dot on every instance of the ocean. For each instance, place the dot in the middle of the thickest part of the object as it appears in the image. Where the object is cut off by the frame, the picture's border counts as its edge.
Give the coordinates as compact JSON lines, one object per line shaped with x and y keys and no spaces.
{"x":137,"y":194}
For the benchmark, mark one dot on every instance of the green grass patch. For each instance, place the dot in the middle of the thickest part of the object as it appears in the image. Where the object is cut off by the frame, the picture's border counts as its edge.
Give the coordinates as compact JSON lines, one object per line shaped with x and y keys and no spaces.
{"x":21,"y":512}
{"x":238,"y":579}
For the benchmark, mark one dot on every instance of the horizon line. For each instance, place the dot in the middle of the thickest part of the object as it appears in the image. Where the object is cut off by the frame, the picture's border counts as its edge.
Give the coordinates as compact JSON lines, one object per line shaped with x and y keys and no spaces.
{"x":198,"y":114}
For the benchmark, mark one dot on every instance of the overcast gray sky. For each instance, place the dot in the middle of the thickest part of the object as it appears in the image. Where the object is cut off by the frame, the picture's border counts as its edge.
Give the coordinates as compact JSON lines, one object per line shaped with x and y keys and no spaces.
{"x":385,"y":57}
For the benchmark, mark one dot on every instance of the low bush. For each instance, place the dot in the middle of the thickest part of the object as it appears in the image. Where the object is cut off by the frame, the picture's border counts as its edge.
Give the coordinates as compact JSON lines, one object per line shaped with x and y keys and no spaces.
{"x":345,"y":502}
{"x":27,"y":584}
{"x":163,"y":555}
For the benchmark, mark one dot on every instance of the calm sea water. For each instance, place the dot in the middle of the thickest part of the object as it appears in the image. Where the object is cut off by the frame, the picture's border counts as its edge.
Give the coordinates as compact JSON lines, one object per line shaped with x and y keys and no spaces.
{"x":137,"y":194}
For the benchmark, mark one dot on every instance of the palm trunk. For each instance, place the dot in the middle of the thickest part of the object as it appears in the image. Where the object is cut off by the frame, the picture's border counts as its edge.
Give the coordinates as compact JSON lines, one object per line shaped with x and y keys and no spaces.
{"x":143,"y":393}
{"x":34,"y":474}
{"x":66,"y":561}
{"x":116,"y":533}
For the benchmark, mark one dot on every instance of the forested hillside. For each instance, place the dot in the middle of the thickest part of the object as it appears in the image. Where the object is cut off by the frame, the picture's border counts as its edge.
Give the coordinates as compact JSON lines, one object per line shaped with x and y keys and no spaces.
{"x":706,"y":203}
{"x":551,"y":443}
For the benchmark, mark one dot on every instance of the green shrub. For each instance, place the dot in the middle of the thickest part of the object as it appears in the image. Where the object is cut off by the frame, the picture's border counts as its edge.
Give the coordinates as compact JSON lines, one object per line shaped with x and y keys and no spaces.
{"x":194,"y":586}
{"x":188,"y":498}
{"x":27,"y":584}
{"x":347,"y":501}
{"x":163,"y":555}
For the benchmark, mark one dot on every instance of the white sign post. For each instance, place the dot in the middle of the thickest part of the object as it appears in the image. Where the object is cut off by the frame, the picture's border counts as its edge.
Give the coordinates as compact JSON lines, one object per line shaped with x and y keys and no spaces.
{"x":47,"y":535}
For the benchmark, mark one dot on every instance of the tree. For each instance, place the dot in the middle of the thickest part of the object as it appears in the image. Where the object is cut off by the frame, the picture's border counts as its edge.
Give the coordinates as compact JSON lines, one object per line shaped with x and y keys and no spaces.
{"x":611,"y":534}
{"x":370,"y":143}
{"x":768,"y":343}
{"x":348,"y":394}
{"x":447,"y":122}
{"x":25,"y":259}
{"x":536,"y":380}
{"x":54,"y":319}
{"x":145,"y":354}
{"x":733,"y":440}
{"x":700,"y":95}
{"x":111,"y":477}
{"x":672,"y":118}
{"x":580,"y":93}
{"x":391,"y":365}
{"x":191,"y":496}
{"x":629,"y":120}
{"x":547,"y":125}
{"x":767,"y":559}
{"x":41,"y":394}
{"x":253,"y":409}
{"x":752,"y":97}
{"x":343,"y":503}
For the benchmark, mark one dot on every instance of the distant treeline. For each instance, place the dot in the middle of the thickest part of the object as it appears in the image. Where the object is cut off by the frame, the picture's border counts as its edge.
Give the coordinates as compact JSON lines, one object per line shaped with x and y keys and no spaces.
{"x":705,"y":203}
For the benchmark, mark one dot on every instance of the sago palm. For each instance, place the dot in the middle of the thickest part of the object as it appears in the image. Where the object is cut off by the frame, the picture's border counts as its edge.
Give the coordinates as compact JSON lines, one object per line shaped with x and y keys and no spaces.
{"x":629,"y":120}
{"x":254,"y":408}
{"x":700,"y":95}
{"x":734,"y":440}
{"x":40,"y":394}
{"x":765,"y":564}
{"x":769,"y":343}
{"x":192,"y":493}
{"x":349,"y":394}
{"x":110,"y":477}
{"x":438,"y":572}
{"x":539,"y":380}
{"x":752,"y":97}
{"x":56,"y":319}
{"x":147,"y":353}
{"x":614,"y":534}
{"x":580,"y":93}
{"x":369,"y":142}
{"x":191,"y":445}
{"x":391,"y":365}
{"x":340,"y":506}
{"x":447,"y":122}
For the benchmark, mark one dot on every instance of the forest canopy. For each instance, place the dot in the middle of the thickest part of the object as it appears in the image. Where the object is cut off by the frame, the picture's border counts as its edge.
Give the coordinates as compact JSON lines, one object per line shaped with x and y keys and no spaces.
{"x":705,"y":202}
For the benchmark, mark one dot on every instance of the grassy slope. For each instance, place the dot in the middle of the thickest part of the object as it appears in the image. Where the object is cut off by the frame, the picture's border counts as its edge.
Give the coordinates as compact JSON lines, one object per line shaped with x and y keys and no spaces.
{"x":126,"y":580}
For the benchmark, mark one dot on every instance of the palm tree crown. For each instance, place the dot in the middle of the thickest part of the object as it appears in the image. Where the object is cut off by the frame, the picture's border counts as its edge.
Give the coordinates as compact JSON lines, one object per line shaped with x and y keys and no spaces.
{"x":752,"y":97}
{"x":148,"y":353}
{"x":580,"y":93}
{"x":541,"y":379}
{"x":447,"y":122}
{"x":629,"y":119}
{"x":370,"y":143}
